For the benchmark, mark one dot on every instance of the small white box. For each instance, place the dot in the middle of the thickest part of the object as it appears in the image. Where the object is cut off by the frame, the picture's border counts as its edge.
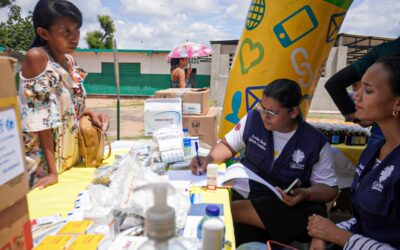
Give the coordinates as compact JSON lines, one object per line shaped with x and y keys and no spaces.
{"x":162,"y":112}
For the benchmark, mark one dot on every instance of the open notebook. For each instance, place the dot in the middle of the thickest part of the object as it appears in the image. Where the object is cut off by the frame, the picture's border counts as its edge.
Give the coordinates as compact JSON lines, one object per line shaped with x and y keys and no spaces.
{"x":236,"y":175}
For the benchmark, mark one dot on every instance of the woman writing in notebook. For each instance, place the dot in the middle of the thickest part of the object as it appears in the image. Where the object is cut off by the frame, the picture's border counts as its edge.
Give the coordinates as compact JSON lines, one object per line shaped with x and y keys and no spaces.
{"x":279,"y":146}
{"x":52,"y":94}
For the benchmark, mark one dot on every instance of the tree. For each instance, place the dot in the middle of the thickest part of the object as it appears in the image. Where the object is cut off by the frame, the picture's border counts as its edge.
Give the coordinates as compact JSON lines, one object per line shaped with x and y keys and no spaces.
{"x":102,"y":39}
{"x":16,"y":32}
{"x":4,"y":3}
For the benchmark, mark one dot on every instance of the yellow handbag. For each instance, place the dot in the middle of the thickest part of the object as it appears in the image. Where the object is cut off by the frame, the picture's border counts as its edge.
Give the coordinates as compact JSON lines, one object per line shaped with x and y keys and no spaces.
{"x":91,"y":143}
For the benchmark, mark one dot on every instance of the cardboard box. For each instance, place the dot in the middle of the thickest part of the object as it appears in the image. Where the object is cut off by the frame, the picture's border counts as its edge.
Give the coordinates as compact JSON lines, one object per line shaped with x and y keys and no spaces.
{"x":194,"y":101}
{"x":15,"y":227}
{"x":160,"y":113}
{"x":204,"y":126}
{"x":13,"y":175}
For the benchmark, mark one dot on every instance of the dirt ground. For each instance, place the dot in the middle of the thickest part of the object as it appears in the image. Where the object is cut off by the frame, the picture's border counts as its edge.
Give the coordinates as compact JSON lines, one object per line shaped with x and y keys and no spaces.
{"x":131,"y":116}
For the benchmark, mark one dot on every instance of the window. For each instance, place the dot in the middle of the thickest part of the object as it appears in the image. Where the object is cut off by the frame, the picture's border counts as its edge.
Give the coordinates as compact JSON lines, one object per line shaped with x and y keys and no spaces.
{"x":129,"y":69}
{"x":125,"y":69}
{"x":107,"y":69}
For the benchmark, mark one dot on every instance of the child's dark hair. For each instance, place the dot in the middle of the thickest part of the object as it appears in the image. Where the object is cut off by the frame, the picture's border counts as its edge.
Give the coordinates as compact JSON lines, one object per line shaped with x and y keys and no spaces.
{"x":391,"y":64}
{"x":285,"y":91}
{"x":47,"y":12}
{"x":174,"y":63}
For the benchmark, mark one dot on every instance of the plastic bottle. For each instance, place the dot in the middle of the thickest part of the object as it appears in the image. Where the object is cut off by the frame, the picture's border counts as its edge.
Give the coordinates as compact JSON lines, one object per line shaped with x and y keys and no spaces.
{"x":160,"y":222}
{"x":185,"y":132}
{"x":335,"y":135}
{"x":343,"y":131}
{"x":213,"y":235}
{"x":212,"y":213}
{"x":364,"y":137}
{"x":187,"y":144}
{"x":349,"y":136}
{"x":357,"y":136}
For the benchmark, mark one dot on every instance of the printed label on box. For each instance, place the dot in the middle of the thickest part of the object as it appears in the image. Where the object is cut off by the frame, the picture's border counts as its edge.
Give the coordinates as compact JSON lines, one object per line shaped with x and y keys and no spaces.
{"x":191,"y":109}
{"x":161,"y":113}
{"x":11,"y":157}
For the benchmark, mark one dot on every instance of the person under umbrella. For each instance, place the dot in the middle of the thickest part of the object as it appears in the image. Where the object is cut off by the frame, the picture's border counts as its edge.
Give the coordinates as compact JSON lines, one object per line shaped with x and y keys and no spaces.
{"x":180,"y":79}
{"x":179,"y":58}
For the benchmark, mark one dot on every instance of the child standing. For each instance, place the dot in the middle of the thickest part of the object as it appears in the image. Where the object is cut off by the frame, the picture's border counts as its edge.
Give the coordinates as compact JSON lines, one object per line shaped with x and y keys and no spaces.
{"x":52,"y":94}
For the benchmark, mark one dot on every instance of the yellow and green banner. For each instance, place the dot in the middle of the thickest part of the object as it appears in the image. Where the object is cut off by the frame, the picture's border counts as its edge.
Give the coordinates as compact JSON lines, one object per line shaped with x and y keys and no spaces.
{"x":281,"y":39}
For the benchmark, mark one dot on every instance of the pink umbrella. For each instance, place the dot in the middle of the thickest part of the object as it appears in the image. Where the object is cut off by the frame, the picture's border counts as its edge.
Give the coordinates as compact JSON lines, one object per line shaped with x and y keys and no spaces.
{"x":190,"y":50}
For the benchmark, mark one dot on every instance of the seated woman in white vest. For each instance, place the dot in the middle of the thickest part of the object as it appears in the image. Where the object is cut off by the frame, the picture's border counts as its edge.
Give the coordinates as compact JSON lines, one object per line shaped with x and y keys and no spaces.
{"x":376,"y":187}
{"x":279,"y":146}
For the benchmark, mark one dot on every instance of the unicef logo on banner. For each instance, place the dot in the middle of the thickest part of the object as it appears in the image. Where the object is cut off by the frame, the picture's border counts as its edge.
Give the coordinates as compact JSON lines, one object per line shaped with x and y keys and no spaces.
{"x":256,"y":14}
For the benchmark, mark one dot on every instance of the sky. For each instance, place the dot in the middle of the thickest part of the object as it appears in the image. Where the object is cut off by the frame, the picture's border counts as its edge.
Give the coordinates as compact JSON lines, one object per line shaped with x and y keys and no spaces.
{"x":163,"y":24}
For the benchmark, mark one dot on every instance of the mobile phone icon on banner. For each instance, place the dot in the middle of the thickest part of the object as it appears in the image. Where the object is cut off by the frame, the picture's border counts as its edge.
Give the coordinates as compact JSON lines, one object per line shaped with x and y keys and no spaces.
{"x":296,"y":26}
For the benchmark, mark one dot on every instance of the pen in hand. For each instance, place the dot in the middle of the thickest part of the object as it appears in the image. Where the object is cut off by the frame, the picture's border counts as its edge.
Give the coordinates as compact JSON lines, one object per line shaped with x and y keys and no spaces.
{"x":196,"y":145}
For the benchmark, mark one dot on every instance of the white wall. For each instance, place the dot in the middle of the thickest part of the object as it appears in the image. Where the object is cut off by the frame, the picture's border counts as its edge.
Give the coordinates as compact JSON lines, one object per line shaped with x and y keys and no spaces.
{"x":149,"y":64}
{"x":220,"y":71}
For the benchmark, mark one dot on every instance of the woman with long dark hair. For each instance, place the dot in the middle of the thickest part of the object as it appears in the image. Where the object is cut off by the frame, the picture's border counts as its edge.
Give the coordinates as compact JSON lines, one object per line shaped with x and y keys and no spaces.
{"x":180,"y":79}
{"x":52,"y":94}
{"x":279,"y":147}
{"x":376,"y":186}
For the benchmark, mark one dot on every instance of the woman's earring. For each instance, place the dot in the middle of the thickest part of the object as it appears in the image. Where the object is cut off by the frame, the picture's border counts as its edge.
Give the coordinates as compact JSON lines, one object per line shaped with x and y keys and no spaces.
{"x":395,"y":113}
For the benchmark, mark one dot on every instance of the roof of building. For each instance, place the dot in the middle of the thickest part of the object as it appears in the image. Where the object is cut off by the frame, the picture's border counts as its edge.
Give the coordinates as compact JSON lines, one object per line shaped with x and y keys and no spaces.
{"x":226,"y":42}
{"x":358,"y":45}
{"x":148,"y":52}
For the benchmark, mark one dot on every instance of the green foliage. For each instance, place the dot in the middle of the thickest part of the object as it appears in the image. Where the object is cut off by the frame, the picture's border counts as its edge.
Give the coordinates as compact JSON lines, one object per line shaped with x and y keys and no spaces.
{"x":93,"y":39}
{"x":102,"y":39}
{"x":4,"y":3}
{"x":16,"y":32}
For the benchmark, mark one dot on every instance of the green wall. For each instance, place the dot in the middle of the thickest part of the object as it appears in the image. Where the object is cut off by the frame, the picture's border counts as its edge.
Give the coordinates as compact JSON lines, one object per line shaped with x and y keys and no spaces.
{"x":143,"y":84}
{"x":131,"y":80}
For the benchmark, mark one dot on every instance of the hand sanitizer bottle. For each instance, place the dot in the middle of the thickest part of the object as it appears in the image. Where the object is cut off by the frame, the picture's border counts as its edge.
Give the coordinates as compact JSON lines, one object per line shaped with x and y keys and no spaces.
{"x":160,"y":222}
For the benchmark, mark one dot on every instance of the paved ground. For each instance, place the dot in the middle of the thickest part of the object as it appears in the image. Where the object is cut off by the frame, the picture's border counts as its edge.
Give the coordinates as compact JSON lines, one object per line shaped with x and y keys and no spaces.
{"x":131,"y":117}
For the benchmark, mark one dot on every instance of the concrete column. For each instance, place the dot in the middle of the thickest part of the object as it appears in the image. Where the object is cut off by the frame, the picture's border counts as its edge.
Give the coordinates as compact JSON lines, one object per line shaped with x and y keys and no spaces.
{"x":330,"y":65}
{"x":219,"y":75}
{"x":215,"y":68}
{"x":322,"y":101}
{"x":341,"y":58}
